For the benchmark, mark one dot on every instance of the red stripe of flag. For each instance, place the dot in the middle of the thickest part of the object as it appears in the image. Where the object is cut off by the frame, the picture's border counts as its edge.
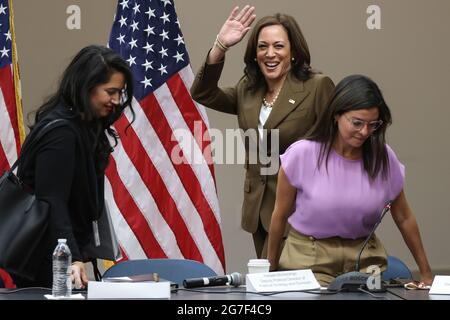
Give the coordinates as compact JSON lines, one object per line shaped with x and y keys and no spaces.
{"x":187,"y":176}
{"x":190,"y":115}
{"x":156,"y":186}
{"x":4,"y":164}
{"x":132,"y":214}
{"x":124,"y":255}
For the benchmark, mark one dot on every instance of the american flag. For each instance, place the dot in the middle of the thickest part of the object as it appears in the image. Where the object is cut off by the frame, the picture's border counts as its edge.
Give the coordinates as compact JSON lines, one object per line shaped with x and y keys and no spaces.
{"x":160,"y":184}
{"x":12,"y":131}
{"x":11,"y":118}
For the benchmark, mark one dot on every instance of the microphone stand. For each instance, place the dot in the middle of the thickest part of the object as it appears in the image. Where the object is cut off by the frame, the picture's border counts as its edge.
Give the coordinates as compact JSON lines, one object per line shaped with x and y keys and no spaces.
{"x":386,"y":208}
{"x":355,"y":280}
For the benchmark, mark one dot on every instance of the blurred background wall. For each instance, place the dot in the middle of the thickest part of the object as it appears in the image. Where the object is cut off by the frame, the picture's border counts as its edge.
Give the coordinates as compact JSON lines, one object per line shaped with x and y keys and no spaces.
{"x":407,"y":57}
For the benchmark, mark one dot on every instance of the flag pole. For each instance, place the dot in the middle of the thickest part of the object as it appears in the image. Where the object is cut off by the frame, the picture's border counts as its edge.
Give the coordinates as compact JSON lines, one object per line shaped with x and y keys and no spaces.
{"x":16,"y":75}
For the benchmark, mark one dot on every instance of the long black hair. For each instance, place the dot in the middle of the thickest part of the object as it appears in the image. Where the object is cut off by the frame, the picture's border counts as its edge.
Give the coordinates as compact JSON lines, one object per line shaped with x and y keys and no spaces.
{"x":92,"y":66}
{"x":299,"y":49}
{"x":355,"y":92}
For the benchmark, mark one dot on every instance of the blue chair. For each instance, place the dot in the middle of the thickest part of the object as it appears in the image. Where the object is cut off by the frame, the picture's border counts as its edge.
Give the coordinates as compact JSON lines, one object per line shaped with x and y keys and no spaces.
{"x":174,"y":270}
{"x":396,"y":269}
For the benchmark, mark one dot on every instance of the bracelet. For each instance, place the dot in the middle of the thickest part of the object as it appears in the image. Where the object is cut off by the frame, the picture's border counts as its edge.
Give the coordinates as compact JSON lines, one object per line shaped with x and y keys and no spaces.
{"x":220,"y":45}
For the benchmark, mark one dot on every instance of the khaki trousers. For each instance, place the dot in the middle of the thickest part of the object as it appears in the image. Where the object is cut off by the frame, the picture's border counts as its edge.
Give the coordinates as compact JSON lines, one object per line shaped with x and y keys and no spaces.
{"x":330,"y":257}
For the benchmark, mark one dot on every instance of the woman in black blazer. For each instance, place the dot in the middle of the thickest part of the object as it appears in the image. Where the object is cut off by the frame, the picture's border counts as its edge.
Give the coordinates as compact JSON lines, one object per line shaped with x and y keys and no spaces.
{"x":66,"y":169}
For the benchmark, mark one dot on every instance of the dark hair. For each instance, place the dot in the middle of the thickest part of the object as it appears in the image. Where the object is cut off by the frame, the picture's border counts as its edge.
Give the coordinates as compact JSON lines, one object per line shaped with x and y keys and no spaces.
{"x":355,"y":92}
{"x":92,"y":66}
{"x":299,"y":49}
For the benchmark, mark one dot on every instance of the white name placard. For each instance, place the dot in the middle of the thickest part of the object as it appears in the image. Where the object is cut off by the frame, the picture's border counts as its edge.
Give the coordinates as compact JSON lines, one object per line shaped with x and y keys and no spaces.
{"x":293,"y":280}
{"x":441,"y":285}
{"x":128,"y":290}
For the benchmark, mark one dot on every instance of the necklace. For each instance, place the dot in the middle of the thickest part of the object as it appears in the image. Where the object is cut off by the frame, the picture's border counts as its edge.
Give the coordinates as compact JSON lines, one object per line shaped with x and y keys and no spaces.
{"x":270,"y":104}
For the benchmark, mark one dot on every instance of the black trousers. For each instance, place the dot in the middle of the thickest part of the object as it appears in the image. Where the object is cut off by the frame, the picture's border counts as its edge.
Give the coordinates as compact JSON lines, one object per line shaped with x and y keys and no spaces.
{"x":44,"y":276}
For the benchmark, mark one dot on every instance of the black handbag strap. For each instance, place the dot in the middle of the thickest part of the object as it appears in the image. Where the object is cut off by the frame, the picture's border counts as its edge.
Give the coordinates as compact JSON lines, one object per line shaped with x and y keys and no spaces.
{"x":97,"y":274}
{"x":48,"y":127}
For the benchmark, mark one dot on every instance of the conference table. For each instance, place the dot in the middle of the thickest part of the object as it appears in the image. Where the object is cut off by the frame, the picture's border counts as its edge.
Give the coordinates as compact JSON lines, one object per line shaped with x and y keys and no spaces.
{"x":220,"y":293}
{"x":228,"y":303}
{"x":416,"y":294}
{"x":230,"y":294}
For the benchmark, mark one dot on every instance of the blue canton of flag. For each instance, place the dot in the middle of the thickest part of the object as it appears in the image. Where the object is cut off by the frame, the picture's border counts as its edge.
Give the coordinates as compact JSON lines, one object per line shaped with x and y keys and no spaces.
{"x":5,"y":34}
{"x":147,"y":34}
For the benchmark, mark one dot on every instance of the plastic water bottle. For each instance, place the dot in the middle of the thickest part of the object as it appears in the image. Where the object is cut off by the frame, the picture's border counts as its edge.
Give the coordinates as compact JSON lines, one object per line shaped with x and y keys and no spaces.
{"x":62,"y":260}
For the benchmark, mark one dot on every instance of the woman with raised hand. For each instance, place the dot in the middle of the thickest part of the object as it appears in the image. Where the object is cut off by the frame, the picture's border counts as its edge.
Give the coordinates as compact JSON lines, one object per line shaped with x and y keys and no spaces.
{"x":279,"y":93}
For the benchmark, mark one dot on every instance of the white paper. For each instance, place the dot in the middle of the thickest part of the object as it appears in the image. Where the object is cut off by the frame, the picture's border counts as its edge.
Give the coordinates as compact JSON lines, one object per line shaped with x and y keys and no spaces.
{"x":117,"y":279}
{"x":441,"y":285}
{"x":77,"y":296}
{"x":129,"y":290}
{"x":295,"y":280}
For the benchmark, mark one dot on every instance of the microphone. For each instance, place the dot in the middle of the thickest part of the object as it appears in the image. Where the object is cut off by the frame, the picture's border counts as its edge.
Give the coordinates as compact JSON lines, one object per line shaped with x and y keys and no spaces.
{"x":235,"y":279}
{"x":354,"y":280}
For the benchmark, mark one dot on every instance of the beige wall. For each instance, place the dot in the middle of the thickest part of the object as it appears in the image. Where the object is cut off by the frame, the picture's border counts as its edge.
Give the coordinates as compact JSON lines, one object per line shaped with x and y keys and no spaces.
{"x":407,"y":57}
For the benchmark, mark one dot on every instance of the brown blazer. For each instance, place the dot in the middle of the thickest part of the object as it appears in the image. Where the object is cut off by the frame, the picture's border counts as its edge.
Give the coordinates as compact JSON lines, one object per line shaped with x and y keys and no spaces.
{"x":294,"y":112}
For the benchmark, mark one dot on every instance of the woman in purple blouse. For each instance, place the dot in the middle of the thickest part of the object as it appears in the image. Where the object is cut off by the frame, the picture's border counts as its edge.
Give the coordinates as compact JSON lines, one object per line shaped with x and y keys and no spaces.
{"x":333,"y":185}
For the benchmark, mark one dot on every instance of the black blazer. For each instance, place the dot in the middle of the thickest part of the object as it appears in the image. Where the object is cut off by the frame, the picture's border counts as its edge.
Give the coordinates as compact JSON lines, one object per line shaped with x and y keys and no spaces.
{"x":61,"y":170}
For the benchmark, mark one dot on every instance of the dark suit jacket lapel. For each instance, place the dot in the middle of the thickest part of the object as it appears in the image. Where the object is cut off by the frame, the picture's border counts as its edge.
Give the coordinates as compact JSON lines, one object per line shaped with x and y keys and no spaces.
{"x":291,"y":96}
